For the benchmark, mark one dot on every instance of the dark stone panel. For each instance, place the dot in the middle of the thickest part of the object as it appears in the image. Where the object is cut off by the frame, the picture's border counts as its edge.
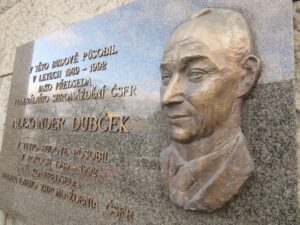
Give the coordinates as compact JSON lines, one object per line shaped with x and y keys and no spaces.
{"x":132,"y":177}
{"x":268,"y":122}
{"x":268,"y":198}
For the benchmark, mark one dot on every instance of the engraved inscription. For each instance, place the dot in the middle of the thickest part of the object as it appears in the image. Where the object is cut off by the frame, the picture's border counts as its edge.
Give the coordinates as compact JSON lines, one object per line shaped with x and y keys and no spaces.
{"x":61,"y":171}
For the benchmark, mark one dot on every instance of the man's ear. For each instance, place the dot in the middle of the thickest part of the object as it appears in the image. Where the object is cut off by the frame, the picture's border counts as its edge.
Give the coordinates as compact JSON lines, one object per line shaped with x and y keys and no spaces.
{"x":252,"y":66}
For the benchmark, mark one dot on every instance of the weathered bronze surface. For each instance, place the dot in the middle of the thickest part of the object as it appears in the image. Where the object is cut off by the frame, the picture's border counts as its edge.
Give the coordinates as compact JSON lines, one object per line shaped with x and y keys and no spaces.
{"x":207,"y":69}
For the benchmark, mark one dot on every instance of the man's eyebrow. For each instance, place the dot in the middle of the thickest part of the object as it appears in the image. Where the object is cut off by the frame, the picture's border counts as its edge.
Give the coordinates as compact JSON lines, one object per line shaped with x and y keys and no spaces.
{"x":184,"y":60}
{"x":165,"y":66}
{"x":187,"y":59}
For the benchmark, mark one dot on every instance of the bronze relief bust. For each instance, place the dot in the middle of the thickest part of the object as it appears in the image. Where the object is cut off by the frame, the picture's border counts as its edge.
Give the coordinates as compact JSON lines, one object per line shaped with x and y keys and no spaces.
{"x":208,"y":67}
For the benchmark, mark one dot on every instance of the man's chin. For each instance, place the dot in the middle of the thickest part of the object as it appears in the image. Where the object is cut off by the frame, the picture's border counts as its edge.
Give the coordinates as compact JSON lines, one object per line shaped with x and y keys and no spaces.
{"x":182,"y":136}
{"x":186,"y":136}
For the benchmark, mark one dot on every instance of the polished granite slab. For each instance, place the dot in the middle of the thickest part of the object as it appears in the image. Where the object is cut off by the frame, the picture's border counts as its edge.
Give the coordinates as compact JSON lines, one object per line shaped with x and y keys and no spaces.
{"x":56,"y":170}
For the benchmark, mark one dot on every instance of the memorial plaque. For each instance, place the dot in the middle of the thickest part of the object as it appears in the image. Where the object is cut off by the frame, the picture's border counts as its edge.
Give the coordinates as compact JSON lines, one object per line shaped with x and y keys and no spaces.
{"x":92,"y":115}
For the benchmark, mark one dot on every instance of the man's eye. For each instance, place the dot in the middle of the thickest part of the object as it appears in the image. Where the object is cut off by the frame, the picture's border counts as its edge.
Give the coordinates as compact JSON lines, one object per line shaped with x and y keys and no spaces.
{"x":197,"y":74}
{"x":166,"y":77}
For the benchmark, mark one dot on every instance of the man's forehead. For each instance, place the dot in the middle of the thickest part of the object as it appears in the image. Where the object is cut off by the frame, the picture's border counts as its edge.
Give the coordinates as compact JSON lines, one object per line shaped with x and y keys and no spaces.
{"x":186,"y":44}
{"x":199,"y":29}
{"x":179,"y":51}
{"x":195,"y":37}
{"x":183,"y":49}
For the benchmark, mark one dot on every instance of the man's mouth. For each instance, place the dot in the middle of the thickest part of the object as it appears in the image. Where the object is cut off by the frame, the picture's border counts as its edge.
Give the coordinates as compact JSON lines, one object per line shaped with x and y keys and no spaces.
{"x":177,"y":116}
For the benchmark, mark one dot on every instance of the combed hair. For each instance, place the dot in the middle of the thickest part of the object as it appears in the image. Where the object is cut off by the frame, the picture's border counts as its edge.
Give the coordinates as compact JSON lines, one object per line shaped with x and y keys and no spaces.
{"x":239,"y":42}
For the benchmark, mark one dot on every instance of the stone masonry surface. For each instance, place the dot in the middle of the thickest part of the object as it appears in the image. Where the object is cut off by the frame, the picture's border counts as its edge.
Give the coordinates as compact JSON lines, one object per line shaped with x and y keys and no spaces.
{"x":22,"y":21}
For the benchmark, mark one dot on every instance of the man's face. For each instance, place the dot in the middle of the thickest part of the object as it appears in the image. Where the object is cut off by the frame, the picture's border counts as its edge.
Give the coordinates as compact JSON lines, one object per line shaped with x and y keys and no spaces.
{"x":199,"y":82}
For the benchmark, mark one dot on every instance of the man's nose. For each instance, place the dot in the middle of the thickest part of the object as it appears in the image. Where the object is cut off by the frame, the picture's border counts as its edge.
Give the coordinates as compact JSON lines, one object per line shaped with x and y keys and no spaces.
{"x":173,"y":93}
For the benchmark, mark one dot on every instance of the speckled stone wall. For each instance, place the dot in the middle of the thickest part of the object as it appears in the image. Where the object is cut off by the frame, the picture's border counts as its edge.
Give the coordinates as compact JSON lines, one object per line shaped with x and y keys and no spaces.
{"x":296,"y":7}
{"x":7,"y":4}
{"x":22,"y":21}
